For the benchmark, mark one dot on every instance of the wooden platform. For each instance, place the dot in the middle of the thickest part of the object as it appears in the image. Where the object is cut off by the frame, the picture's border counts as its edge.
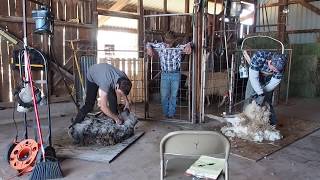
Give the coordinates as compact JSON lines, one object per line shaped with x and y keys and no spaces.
{"x":66,"y":149}
{"x":292,"y":129}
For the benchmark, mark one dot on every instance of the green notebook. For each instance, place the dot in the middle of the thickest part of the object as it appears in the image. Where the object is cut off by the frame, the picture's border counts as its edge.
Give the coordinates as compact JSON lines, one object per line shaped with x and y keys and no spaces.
{"x":206,"y":167}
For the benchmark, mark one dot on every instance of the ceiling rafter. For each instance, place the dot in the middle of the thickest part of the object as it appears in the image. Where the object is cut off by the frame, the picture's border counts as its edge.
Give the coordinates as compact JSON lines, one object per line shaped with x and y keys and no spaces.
{"x":309,"y":6}
{"x":115,"y":7}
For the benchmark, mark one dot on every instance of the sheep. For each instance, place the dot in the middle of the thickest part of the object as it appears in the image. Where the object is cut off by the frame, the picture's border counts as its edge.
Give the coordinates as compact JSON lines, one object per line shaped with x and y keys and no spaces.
{"x":216,"y":83}
{"x":103,"y":130}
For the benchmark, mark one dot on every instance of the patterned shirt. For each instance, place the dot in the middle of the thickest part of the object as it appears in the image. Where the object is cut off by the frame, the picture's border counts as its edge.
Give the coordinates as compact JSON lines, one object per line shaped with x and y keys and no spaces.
{"x":259,"y":63}
{"x":170,"y":59}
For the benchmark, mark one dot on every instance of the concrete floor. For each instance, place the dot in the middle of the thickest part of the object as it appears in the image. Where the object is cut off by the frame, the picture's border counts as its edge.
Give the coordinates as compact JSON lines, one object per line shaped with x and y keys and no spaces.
{"x":300,"y":160}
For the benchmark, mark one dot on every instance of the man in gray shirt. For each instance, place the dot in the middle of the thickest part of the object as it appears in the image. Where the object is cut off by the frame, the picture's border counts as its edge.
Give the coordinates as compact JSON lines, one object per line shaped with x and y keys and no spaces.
{"x":110,"y":82}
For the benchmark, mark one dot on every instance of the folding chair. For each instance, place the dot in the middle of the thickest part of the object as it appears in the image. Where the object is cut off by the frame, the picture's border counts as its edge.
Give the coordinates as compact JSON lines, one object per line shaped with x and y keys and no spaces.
{"x":184,"y":147}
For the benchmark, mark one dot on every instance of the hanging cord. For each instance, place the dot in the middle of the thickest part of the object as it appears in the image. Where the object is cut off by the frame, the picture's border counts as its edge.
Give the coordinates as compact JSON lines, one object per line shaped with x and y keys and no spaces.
{"x":14,"y":121}
{"x":13,"y":109}
{"x":52,"y":56}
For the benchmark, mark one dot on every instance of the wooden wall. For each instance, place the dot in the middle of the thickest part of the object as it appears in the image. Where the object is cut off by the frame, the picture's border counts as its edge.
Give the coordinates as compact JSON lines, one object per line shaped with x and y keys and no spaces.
{"x":74,"y":19}
{"x":134,"y":69}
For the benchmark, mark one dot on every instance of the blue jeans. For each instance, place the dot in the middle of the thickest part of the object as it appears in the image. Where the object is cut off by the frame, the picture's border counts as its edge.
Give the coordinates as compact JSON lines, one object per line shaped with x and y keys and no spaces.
{"x":169,"y":90}
{"x":268,"y":98}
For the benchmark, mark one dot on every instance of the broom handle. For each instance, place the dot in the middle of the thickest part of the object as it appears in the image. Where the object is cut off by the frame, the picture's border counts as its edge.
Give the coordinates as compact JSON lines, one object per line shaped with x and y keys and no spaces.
{"x":28,"y":74}
{"x":35,"y":105}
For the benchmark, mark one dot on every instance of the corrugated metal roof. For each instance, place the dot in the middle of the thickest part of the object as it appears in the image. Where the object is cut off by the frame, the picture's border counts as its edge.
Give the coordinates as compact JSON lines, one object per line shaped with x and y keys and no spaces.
{"x":299,"y":18}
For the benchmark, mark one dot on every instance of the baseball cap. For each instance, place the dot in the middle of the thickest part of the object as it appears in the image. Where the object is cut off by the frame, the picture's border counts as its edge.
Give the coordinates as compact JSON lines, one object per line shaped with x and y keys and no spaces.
{"x":279,"y":61}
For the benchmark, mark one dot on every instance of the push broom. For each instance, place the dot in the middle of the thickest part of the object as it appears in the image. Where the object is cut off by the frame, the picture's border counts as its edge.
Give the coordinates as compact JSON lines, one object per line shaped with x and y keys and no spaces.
{"x":45,"y":168}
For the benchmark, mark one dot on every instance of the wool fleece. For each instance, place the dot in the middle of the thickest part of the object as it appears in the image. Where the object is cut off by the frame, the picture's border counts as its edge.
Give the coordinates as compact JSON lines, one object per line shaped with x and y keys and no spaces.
{"x":103,"y":130}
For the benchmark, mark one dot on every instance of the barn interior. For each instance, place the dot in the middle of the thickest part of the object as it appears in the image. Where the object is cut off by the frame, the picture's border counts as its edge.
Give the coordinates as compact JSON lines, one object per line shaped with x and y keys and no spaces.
{"x":48,"y":46}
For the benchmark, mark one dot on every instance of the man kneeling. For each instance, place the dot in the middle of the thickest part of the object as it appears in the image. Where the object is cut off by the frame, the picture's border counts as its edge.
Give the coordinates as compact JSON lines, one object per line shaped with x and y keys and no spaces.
{"x":110,"y":82}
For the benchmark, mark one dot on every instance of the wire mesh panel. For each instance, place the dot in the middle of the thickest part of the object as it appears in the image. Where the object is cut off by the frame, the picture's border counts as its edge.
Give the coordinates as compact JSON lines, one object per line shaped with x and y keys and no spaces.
{"x":85,"y":63}
{"x":217,"y":97}
{"x":134,"y":69}
{"x":216,"y":85}
{"x":155,"y":30}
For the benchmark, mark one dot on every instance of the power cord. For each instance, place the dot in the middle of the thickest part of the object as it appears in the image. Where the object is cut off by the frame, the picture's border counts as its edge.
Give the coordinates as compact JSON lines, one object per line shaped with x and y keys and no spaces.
{"x":52,"y":55}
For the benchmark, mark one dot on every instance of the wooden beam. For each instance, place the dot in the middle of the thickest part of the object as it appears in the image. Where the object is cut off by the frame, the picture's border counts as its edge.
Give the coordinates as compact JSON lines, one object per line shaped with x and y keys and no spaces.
{"x":299,"y":31}
{"x":165,"y":20}
{"x":118,"y":29}
{"x":309,"y":6}
{"x":65,"y":73}
{"x":289,"y":2}
{"x":116,"y":7}
{"x":186,"y":6}
{"x":16,"y":19}
{"x":122,"y":14}
{"x":53,"y":99}
{"x":282,"y":18}
{"x":303,"y":31}
{"x":140,"y":11}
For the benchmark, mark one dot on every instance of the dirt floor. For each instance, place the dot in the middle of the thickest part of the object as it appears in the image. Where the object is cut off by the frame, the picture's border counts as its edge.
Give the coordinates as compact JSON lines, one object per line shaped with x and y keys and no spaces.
{"x":300,"y":160}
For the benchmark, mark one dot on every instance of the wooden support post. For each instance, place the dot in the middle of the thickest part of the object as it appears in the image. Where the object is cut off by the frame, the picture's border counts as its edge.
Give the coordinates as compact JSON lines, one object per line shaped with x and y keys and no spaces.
{"x":140,"y":12}
{"x":94,"y":32}
{"x":254,"y":28}
{"x":165,"y":20}
{"x":309,"y":6}
{"x":282,"y":19}
{"x":141,"y":58}
{"x":196,"y":93}
{"x":188,"y":19}
{"x":186,"y":6}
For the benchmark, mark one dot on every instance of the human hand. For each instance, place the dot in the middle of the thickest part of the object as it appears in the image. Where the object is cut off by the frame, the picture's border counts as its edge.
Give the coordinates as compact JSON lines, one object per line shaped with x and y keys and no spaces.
{"x":259,"y":99}
{"x":119,"y":120}
{"x":150,"y":51}
{"x":127,"y":106}
{"x":187,"y":49}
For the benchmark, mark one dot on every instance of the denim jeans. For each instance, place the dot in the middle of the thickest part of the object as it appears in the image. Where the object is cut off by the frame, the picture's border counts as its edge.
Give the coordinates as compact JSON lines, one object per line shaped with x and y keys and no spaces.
{"x":268,"y":98}
{"x":91,"y":96}
{"x":169,"y":87}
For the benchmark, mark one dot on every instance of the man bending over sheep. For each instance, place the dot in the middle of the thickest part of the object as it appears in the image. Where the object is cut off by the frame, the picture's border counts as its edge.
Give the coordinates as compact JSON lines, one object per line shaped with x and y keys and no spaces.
{"x":265,"y":74}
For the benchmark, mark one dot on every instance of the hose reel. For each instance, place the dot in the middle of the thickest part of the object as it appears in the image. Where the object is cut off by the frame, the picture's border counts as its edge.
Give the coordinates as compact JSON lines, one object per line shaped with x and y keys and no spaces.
{"x":23,"y":155}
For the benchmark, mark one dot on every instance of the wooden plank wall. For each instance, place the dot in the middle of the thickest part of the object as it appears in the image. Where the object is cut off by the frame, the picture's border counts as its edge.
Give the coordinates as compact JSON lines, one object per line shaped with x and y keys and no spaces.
{"x":74,"y":19}
{"x":134,"y":68}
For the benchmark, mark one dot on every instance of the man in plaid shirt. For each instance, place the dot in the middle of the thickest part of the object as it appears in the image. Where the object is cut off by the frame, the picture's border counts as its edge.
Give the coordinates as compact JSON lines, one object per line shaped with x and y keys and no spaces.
{"x":265,"y":74}
{"x":170,"y":60}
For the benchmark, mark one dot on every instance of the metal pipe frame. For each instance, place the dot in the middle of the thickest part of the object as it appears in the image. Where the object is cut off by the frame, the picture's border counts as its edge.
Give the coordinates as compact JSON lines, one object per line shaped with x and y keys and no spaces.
{"x":289,"y":75}
{"x":146,"y":64}
{"x":226,"y":53}
{"x":166,"y":15}
{"x":168,"y":48}
{"x":231,"y":87}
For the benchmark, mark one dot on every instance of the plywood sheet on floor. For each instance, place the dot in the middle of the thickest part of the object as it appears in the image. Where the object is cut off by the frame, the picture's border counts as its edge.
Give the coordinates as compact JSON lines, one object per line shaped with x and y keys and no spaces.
{"x":291,"y":128}
{"x":66,"y":149}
